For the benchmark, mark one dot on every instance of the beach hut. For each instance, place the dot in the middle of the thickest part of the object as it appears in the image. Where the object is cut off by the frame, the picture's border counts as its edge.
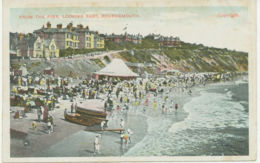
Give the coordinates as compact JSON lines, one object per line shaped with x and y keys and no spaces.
{"x":116,"y":69}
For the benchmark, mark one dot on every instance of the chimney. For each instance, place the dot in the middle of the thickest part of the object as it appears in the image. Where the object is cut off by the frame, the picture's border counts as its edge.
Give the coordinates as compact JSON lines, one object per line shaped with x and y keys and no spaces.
{"x":59,"y":26}
{"x":87,"y":28}
{"x":69,"y":26}
{"x":80,"y":26}
{"x":29,"y":35}
{"x":21,"y":36}
{"x":48,"y":25}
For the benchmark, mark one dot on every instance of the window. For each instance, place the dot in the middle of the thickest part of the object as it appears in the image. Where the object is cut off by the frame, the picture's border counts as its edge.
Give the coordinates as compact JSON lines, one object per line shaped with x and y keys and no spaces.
{"x":52,"y":47}
{"x":39,"y":45}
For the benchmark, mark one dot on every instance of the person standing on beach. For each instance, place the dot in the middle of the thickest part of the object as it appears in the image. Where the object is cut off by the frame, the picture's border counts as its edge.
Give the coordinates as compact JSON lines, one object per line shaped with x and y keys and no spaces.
{"x":172,"y":105}
{"x":121,"y":138}
{"x":34,"y":125}
{"x":102,"y":125}
{"x":126,"y":138}
{"x":117,"y":108}
{"x":163,"y":107}
{"x":52,"y":123}
{"x":122,"y":124}
{"x":126,"y":107}
{"x":105,"y":105}
{"x":75,"y":106}
{"x":130,"y":133}
{"x":42,"y":110}
{"x":65,"y":112}
{"x":154,"y":105}
{"x":39,"y":114}
{"x":45,"y":113}
{"x":176,"y":107}
{"x":147,"y":102}
{"x":84,"y":94}
{"x":71,"y":108}
{"x":96,"y":145}
{"x":49,"y":126}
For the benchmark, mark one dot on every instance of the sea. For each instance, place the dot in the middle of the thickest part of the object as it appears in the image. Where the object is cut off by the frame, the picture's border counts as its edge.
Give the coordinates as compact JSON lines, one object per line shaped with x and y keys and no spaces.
{"x":216,"y":124}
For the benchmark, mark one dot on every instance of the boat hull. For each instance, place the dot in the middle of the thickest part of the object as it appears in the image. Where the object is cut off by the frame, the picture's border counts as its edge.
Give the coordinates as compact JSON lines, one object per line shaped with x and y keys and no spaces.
{"x":85,"y":120}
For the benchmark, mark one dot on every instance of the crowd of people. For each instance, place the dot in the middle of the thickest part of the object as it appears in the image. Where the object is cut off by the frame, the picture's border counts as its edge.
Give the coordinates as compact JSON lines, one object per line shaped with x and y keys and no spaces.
{"x":121,"y":97}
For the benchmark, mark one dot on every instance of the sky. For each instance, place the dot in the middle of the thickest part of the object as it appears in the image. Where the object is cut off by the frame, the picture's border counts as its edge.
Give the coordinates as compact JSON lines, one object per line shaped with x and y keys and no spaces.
{"x":223,"y":27}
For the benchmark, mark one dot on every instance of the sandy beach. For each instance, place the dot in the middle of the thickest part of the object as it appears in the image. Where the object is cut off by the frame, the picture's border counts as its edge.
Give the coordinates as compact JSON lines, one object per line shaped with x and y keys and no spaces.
{"x":150,"y":126}
{"x":69,"y":139}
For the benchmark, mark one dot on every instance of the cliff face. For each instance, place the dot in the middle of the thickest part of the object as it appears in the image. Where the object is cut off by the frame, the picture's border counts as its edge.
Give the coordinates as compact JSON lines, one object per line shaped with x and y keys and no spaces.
{"x":191,"y":58}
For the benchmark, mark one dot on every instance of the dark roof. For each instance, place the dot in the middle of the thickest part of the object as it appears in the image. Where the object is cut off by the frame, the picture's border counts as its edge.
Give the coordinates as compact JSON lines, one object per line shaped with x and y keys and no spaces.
{"x":171,"y":38}
{"x":122,"y":36}
{"x":54,"y":30}
{"x":31,"y":40}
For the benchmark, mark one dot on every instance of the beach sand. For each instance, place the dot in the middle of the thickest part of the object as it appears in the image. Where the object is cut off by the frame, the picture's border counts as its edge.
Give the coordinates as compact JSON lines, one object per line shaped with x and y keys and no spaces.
{"x":73,"y":140}
{"x":81,"y":144}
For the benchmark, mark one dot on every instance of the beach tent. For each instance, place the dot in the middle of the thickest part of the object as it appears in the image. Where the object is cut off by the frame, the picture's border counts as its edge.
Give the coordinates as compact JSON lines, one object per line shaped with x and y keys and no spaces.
{"x":117,"y":68}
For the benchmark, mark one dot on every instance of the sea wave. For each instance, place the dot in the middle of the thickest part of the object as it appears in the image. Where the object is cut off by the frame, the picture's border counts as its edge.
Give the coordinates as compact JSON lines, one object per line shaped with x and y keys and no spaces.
{"x":212,"y":110}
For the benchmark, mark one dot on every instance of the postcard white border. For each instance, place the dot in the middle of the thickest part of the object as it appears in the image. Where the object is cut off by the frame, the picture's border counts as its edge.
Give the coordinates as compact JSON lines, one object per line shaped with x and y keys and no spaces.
{"x":7,"y":4}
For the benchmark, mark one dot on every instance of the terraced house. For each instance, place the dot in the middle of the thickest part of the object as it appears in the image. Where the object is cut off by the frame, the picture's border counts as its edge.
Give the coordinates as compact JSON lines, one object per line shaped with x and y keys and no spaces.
{"x":47,"y":41}
{"x":137,"y":39}
{"x":89,"y":39}
{"x":64,"y":37}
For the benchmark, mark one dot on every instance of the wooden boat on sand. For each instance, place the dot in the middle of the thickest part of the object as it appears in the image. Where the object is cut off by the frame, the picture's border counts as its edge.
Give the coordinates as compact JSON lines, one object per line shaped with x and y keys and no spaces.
{"x":88,"y":113}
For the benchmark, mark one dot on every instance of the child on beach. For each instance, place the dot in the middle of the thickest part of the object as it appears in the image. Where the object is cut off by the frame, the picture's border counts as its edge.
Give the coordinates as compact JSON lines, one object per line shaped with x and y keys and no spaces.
{"x":126,"y":138}
{"x":34,"y":125}
{"x":154,"y":105}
